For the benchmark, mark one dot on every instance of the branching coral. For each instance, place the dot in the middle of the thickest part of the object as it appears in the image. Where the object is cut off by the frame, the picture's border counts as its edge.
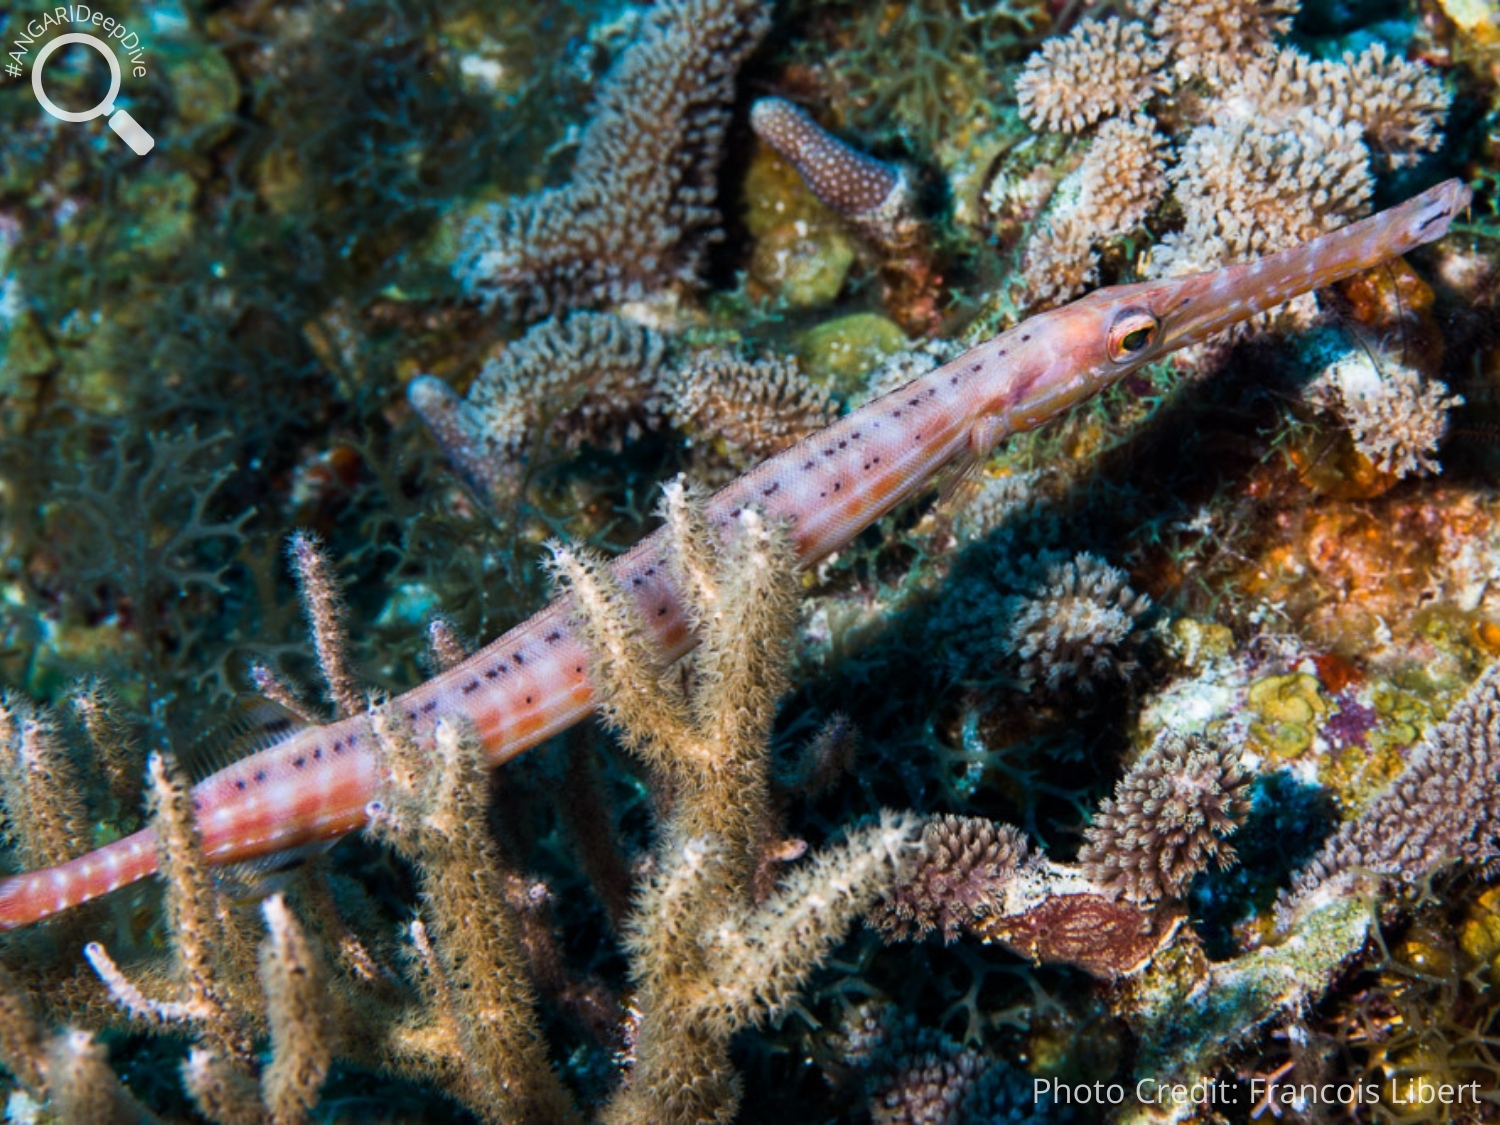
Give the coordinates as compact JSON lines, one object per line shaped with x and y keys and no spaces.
{"x":1275,"y":151}
{"x":479,"y":1033}
{"x":1102,"y":68}
{"x":1218,"y":39}
{"x":1121,"y":178}
{"x":1396,"y":418}
{"x":1168,"y":819}
{"x":588,"y":377}
{"x":45,"y":817}
{"x":707,"y":958}
{"x":639,"y":208}
{"x":870,"y":193}
{"x":212,"y":966}
{"x":745,"y":410}
{"x":1443,"y":808}
{"x":1069,"y":631}
{"x":964,"y":866}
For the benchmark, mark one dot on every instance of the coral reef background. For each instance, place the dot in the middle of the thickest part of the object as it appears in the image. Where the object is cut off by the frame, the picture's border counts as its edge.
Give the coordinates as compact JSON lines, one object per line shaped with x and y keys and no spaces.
{"x":418,"y":287}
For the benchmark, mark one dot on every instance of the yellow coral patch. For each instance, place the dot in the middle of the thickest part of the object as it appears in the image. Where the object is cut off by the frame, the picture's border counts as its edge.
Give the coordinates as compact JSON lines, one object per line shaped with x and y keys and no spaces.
{"x":1288,"y":710}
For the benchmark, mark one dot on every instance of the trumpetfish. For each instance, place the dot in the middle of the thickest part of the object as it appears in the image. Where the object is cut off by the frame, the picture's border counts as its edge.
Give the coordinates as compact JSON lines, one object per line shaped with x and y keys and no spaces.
{"x":533,"y":682}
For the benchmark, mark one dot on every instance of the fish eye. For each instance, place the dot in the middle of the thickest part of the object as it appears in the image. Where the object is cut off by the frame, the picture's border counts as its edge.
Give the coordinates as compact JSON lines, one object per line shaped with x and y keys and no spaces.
{"x":1133,"y":331}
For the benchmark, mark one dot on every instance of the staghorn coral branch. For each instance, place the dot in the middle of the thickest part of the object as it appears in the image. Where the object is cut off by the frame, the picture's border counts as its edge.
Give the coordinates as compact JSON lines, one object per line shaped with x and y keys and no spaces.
{"x":638,"y":210}
{"x":431,"y":809}
{"x":294,"y":986}
{"x":534,"y":681}
{"x":323,"y":606}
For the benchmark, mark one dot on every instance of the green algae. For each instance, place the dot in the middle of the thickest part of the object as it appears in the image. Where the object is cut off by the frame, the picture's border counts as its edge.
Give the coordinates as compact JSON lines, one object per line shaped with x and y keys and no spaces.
{"x":840,"y":353}
{"x":1287,"y":712}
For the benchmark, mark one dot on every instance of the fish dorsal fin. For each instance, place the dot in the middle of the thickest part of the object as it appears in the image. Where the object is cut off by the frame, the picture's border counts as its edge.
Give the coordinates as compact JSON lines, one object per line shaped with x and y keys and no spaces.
{"x":254,"y":879}
{"x":253,"y":724}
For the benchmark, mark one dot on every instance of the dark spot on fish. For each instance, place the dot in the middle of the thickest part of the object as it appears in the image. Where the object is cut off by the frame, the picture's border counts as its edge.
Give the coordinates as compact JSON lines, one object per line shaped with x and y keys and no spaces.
{"x":1025,"y":337}
{"x":429,"y":707}
{"x":837,"y":485}
{"x":240,"y":784}
{"x":338,"y":745}
{"x":978,"y":367}
{"x":260,"y":775}
{"x":553,"y":638}
{"x":875,"y":459}
{"x":854,"y":436}
{"x":637,"y":581}
{"x":521,"y":660}
{"x":317,"y":753}
{"x":411,"y":716}
{"x":528,"y":701}
{"x":843,"y":445}
{"x":662,"y":612}
{"x":809,"y":465}
{"x":650,"y":572}
{"x":895,"y":413}
{"x":829,"y":452}
{"x":298,"y":762}
{"x":578,"y":669}
{"x":470,"y":687}
{"x":1427,"y":222}
{"x":770,"y":488}
{"x":734,"y":515}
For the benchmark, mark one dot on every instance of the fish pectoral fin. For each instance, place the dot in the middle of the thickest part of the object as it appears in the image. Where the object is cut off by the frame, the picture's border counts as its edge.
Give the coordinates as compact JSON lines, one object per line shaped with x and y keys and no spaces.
{"x":961,"y":479}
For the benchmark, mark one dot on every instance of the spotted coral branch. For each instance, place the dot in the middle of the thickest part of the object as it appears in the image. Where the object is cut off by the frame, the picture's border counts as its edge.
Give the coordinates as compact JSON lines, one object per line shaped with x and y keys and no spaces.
{"x":870,"y":193}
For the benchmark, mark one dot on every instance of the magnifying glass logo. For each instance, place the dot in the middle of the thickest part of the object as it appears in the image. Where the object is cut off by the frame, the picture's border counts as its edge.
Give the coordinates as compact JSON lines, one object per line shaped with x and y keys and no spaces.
{"x":127,"y":128}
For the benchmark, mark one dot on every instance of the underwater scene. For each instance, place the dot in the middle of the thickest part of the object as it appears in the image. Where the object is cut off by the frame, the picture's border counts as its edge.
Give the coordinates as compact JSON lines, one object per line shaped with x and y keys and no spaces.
{"x":916,"y":562}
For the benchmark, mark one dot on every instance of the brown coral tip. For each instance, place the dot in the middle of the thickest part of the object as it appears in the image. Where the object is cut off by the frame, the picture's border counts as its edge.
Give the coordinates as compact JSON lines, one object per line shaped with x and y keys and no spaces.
{"x":855,"y":185}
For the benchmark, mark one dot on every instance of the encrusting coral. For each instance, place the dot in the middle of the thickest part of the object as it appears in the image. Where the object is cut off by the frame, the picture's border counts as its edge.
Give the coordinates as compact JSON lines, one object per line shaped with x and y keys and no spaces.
{"x":1168,"y":819}
{"x":639,"y":209}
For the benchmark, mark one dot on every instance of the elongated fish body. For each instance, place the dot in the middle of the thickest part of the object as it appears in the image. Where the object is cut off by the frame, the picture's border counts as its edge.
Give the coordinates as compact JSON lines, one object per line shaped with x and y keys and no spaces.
{"x":533,"y":682}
